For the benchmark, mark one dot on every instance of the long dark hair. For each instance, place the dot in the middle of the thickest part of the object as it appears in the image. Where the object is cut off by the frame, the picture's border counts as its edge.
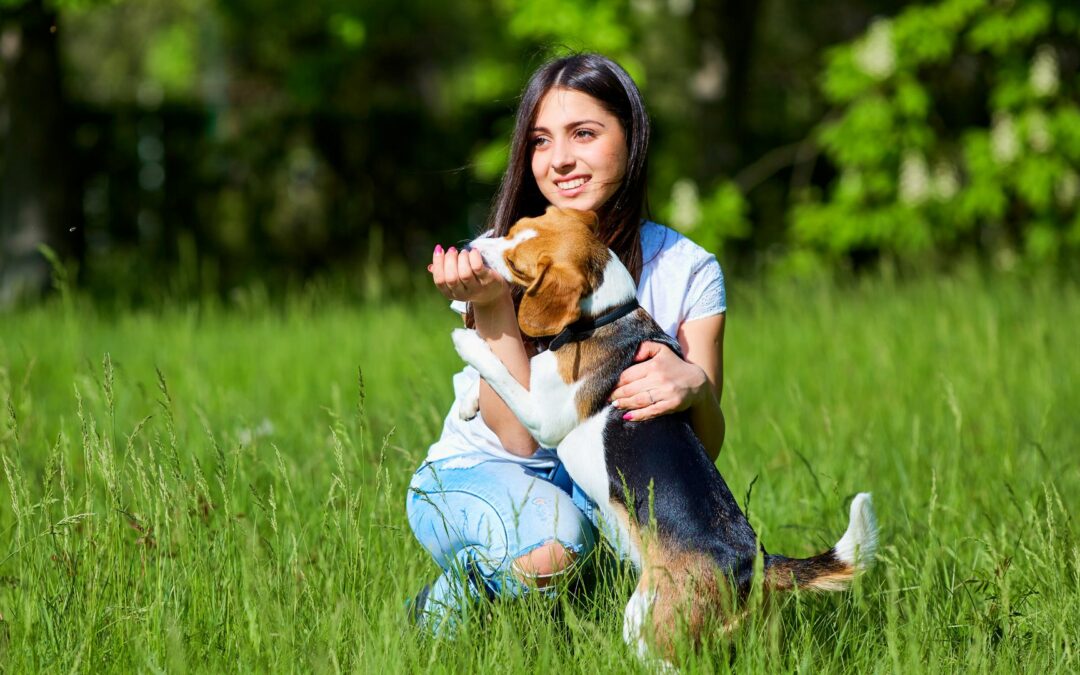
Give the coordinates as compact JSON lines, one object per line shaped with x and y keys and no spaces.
{"x":621,"y":216}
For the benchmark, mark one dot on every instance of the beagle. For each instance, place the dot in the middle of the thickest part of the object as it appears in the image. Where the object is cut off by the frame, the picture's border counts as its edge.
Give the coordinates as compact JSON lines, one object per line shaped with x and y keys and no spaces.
{"x":671,"y":512}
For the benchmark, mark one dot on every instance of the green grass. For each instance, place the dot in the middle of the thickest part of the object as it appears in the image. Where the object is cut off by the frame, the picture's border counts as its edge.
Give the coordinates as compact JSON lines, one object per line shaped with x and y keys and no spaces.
{"x":244,"y":511}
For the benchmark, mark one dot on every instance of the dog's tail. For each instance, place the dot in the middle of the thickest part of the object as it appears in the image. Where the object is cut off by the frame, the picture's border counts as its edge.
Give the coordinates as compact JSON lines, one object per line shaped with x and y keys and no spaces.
{"x":834,"y":569}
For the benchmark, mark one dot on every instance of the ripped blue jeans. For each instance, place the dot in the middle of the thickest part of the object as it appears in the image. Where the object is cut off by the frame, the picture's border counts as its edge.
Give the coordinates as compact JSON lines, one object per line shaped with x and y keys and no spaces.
{"x":476,"y":514}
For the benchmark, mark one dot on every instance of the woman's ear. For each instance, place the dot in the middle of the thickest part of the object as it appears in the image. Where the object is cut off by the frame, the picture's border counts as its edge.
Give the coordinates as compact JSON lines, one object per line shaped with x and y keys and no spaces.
{"x":551,"y":302}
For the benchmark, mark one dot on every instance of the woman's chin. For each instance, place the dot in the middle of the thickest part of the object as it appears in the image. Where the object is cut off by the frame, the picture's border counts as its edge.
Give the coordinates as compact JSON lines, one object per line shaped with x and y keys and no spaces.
{"x":580,"y":202}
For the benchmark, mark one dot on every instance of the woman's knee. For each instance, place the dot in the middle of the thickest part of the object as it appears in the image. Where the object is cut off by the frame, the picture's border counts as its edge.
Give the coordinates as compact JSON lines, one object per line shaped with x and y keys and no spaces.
{"x":543,"y":565}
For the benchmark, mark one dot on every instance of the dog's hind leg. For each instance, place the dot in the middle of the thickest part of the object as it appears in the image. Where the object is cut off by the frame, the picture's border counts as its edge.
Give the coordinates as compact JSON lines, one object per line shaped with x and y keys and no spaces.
{"x":636,"y":618}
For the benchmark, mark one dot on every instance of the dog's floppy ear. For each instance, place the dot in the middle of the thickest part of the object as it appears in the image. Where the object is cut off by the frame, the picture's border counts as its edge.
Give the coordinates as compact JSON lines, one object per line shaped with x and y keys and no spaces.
{"x":591,"y":219}
{"x":551,"y":301}
{"x":588,"y":218}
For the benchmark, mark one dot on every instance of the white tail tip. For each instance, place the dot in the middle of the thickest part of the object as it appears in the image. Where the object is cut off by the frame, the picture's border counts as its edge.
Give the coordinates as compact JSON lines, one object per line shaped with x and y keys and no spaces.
{"x":858,"y":546}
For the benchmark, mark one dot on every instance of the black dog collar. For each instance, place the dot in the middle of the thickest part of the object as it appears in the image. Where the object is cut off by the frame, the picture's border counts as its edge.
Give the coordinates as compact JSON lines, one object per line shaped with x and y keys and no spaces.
{"x":582,"y":328}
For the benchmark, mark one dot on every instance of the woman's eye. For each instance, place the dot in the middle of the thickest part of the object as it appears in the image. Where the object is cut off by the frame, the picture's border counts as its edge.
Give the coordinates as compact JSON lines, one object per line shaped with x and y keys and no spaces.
{"x":585,"y":133}
{"x":538,"y":141}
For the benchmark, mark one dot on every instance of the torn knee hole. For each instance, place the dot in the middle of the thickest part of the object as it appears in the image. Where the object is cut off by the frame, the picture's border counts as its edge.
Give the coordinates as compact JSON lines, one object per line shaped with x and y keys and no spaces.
{"x":541,"y":566}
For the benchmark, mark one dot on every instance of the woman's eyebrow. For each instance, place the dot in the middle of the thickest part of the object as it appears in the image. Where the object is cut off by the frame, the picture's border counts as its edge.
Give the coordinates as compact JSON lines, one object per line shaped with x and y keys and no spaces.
{"x":571,"y":125}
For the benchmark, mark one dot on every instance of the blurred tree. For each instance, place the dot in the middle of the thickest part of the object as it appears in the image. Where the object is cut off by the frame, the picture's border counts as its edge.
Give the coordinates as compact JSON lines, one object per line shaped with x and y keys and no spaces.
{"x":238,"y":139}
{"x":957,"y":127}
{"x":38,"y":199}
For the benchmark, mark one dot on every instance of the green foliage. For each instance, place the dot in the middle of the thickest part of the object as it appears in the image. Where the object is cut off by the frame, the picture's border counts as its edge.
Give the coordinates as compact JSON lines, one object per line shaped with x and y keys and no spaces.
{"x":171,"y":59}
{"x":712,"y":222}
{"x":909,"y":180}
{"x":599,"y":25}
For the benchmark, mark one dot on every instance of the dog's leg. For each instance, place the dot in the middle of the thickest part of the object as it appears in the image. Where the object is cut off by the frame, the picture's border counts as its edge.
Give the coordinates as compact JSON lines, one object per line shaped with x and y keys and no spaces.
{"x":472,"y":348}
{"x":470,"y":405}
{"x":635,"y":618}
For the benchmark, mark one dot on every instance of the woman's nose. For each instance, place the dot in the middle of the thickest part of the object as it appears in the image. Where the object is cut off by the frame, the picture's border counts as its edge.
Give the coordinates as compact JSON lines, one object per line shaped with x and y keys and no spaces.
{"x":563,"y":158}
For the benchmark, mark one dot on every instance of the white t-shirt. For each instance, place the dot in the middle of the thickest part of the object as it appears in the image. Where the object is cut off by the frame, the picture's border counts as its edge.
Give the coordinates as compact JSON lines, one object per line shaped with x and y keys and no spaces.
{"x":680,"y":281}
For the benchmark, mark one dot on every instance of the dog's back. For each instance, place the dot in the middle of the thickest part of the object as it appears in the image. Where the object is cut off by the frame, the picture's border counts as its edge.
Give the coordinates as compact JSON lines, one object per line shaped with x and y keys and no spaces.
{"x":696,"y":547}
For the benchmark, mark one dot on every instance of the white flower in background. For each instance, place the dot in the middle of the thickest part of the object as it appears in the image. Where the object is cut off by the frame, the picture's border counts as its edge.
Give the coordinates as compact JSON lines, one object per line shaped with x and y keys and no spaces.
{"x":946,"y":180}
{"x":1039,"y":132}
{"x":246,"y":436}
{"x":914,"y":179}
{"x":1067,"y":190}
{"x":1044,"y":77}
{"x":1004,"y":145}
{"x":709,"y":81}
{"x":875,"y":54}
{"x":680,"y":7}
{"x":685,"y":205}
{"x":646,"y":7}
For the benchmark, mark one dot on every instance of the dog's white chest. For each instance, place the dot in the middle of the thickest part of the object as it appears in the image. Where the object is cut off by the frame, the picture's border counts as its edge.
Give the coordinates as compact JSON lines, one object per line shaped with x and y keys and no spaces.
{"x":582,"y":453}
{"x":553,"y":397}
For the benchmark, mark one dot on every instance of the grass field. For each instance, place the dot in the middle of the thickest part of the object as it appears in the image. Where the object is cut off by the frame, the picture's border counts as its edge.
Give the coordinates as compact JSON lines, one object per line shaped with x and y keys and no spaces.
{"x":211,"y":490}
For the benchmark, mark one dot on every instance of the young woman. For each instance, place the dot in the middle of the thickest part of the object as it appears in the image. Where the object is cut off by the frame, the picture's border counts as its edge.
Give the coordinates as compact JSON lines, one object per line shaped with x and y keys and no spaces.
{"x":499,"y":514}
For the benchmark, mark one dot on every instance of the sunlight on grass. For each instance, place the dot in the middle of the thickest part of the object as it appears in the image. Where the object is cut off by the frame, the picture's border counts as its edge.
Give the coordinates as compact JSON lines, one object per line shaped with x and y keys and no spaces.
{"x":216,"y":491}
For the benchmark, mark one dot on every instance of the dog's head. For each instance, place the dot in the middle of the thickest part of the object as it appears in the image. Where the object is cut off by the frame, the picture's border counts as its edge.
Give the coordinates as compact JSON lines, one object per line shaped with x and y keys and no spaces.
{"x":559,"y":261}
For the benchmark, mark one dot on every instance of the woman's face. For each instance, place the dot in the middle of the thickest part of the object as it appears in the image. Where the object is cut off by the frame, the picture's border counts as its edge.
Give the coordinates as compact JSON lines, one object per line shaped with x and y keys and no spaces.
{"x":578,"y":150}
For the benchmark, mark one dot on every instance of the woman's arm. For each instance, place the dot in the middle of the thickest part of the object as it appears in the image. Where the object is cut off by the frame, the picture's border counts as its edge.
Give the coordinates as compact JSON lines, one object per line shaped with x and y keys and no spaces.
{"x":465,"y":277}
{"x":497,"y":324}
{"x":661,"y":382}
{"x":702,"y":341}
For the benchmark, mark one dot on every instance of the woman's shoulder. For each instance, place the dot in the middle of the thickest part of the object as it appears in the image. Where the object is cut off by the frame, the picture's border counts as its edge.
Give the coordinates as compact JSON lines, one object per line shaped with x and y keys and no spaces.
{"x":660,"y":243}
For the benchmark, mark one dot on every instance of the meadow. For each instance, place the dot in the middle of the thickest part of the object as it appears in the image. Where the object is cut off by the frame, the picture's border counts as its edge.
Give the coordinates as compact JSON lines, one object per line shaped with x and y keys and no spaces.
{"x":220,"y":487}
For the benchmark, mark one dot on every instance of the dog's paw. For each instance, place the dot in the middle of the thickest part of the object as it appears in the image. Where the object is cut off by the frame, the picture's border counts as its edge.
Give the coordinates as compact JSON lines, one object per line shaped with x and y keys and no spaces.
{"x":468,"y":344}
{"x":470,"y":404}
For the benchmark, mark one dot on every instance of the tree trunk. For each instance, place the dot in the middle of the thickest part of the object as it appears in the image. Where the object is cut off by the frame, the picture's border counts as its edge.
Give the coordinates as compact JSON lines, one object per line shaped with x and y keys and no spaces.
{"x":37,"y":203}
{"x":731,"y":27}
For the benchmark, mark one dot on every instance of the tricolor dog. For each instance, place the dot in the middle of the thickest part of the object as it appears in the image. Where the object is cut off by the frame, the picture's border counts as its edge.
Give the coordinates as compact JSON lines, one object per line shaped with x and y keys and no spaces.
{"x":674,"y":516}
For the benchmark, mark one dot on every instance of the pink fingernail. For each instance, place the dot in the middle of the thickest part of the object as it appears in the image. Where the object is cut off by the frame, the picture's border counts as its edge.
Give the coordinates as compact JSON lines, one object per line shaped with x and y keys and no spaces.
{"x":438,"y":249}
{"x":627,"y":416}
{"x":451,"y":250}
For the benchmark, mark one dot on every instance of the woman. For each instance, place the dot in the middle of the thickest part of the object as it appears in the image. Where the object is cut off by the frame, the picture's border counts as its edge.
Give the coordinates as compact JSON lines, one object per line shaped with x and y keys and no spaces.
{"x":499,"y":514}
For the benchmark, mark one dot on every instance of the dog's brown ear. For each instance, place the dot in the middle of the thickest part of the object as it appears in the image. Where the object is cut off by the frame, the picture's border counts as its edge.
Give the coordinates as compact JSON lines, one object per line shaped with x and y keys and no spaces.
{"x":591,"y":219}
{"x":551,"y":301}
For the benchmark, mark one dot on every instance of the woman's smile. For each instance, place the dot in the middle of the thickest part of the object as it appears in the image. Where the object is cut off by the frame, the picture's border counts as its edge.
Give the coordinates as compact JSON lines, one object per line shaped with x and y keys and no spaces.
{"x":572,"y":187}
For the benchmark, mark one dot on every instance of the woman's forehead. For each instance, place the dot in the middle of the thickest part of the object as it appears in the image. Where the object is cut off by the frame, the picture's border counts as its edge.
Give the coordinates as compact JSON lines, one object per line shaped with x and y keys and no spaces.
{"x":561,"y":105}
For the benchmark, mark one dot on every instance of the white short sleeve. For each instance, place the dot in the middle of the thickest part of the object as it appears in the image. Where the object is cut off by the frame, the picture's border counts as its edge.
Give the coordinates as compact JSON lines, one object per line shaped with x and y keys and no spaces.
{"x":705,"y":295}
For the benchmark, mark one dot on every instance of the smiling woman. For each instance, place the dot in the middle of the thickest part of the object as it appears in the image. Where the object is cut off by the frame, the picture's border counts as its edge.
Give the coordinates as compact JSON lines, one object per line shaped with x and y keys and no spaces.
{"x":499,"y":514}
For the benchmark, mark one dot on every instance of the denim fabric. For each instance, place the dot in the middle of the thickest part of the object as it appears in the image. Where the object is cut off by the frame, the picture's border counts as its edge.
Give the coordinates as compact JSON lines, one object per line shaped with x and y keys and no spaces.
{"x":476,"y":514}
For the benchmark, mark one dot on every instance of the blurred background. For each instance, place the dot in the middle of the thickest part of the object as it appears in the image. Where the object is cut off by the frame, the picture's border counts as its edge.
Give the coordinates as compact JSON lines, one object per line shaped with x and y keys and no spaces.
{"x":197,"y":147}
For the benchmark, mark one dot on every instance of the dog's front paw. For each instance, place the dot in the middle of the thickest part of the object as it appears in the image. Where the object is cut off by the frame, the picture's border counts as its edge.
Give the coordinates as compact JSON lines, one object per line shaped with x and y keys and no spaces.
{"x":470,"y":404}
{"x":468,"y":344}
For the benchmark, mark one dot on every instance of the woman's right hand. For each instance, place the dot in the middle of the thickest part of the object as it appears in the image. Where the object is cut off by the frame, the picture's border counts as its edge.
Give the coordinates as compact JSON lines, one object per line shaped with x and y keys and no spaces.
{"x":464,"y":276}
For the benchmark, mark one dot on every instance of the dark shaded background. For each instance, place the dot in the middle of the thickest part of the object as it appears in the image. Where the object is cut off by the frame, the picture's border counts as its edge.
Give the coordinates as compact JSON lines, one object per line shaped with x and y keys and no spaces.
{"x":196,"y":146}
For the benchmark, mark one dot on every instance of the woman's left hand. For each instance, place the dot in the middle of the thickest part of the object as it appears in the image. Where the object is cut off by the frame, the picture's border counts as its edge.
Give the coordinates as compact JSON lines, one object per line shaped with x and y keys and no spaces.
{"x":659,"y":383}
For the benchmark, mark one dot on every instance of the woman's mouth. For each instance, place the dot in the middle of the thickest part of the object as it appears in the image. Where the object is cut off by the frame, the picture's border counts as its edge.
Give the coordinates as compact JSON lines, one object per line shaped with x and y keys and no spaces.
{"x":569,"y":188}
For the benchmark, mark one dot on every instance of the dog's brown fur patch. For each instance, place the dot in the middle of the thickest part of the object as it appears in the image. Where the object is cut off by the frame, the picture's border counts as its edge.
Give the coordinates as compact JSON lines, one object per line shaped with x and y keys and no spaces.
{"x":563,"y":263}
{"x":823,"y":573}
{"x":691,"y":596}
